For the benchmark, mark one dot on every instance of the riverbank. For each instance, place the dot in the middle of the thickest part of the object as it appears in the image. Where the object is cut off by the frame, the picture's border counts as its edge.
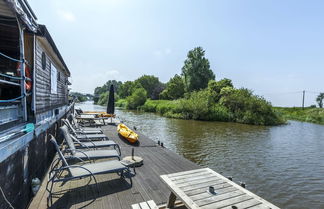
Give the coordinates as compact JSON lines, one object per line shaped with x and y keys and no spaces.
{"x":200,"y":110}
{"x":311,"y":115}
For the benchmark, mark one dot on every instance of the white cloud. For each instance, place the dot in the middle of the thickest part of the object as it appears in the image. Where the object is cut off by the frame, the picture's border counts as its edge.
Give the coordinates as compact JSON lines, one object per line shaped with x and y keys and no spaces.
{"x":66,"y":15}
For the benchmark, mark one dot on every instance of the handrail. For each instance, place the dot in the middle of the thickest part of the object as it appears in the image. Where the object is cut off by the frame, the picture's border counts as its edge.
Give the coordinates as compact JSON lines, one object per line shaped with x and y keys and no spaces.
{"x":9,"y":82}
{"x":12,"y":77}
{"x":14,"y":99}
{"x":13,"y":59}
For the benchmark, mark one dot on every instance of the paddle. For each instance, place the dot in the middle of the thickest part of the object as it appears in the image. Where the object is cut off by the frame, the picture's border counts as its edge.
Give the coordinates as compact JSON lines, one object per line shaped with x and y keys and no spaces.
{"x":28,"y":128}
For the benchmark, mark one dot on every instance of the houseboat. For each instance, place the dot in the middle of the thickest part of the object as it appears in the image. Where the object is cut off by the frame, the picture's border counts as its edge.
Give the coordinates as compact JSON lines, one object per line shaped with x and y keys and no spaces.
{"x":33,"y":98}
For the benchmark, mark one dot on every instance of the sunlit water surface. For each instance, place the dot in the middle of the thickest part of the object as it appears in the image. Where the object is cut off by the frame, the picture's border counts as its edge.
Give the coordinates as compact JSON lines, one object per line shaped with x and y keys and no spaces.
{"x":283,"y":164}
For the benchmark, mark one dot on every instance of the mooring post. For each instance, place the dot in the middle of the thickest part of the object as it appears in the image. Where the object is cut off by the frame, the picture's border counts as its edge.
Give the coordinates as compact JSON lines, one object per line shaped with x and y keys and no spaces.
{"x":242,"y":184}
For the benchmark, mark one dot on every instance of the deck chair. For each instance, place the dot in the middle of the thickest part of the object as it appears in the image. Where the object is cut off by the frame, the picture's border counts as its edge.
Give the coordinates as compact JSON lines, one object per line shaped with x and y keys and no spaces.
{"x":77,"y":126}
{"x":82,"y":171}
{"x":79,"y":130}
{"x":85,"y":154}
{"x":83,"y":137}
{"x":90,"y":144}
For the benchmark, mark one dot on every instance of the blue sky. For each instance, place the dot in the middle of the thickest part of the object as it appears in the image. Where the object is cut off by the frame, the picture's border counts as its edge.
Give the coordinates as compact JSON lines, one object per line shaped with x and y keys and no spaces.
{"x":275,"y":48}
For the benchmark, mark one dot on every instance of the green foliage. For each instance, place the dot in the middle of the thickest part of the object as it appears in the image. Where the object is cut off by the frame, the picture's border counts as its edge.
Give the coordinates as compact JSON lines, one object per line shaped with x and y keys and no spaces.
{"x":125,"y":89}
{"x":175,"y":88}
{"x":196,"y":70}
{"x":308,"y":114}
{"x":215,"y":88}
{"x":320,"y":99}
{"x":121,"y":103}
{"x":80,"y":96}
{"x":194,"y":95}
{"x":100,"y":90}
{"x":249,"y":108}
{"x":137,"y":98}
{"x":103,"y":98}
{"x":151,"y":84}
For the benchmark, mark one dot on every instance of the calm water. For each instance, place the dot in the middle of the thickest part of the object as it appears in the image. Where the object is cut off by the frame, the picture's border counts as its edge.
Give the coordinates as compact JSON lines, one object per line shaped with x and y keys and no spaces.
{"x":283,"y":164}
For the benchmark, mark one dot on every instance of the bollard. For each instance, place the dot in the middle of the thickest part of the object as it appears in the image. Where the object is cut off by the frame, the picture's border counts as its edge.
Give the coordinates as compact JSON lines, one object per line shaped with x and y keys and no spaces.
{"x":242,"y":184}
{"x":162,"y":144}
{"x":158,"y":142}
{"x":133,"y":153}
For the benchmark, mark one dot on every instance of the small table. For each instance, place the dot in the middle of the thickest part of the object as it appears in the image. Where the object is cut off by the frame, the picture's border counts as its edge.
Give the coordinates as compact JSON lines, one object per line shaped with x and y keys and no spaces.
{"x":192,"y":188}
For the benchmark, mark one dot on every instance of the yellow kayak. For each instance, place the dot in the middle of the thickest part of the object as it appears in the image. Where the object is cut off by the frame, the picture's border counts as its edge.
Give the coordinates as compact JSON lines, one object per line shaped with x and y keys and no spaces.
{"x":127,"y":133}
{"x":100,"y":114}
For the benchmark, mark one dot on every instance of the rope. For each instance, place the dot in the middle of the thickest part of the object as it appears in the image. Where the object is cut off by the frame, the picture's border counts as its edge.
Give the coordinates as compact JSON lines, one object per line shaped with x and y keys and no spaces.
{"x":5,"y":198}
{"x":12,"y":77}
{"x":13,"y":59}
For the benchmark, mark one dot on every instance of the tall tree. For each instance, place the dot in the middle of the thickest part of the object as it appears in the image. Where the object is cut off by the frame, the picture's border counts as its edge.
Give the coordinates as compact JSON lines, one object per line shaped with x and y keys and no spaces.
{"x":196,"y":70}
{"x":320,"y":99}
{"x":174,"y":88}
{"x":151,"y":84}
{"x":125,"y":89}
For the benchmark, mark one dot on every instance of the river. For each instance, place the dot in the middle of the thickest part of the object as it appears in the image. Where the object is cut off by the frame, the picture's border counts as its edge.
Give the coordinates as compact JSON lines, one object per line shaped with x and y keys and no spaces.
{"x":283,"y":164}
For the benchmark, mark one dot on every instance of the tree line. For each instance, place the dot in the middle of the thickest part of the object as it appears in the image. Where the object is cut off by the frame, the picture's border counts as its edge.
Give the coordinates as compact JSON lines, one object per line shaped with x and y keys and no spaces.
{"x":193,"y":94}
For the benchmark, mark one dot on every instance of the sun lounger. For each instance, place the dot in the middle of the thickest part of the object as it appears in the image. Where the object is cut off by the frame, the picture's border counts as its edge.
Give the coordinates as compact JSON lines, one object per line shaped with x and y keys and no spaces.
{"x":82,"y":171}
{"x":81,"y":136}
{"x":85,"y":154}
{"x":89,"y":144}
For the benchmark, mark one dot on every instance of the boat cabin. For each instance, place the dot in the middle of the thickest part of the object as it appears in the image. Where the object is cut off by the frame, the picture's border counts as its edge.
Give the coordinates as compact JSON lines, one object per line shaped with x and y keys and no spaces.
{"x":33,"y":99}
{"x":33,"y":75}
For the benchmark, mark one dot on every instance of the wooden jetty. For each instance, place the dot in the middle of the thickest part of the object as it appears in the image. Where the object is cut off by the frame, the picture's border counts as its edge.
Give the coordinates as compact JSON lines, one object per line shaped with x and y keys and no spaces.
{"x":116,"y":193}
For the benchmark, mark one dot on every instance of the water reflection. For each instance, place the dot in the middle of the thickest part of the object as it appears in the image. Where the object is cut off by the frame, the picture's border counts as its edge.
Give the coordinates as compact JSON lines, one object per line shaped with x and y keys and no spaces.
{"x":283,"y":164}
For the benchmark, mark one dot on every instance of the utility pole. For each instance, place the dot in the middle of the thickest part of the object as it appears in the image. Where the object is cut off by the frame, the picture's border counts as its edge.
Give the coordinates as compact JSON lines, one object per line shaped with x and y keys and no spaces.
{"x":303,"y":99}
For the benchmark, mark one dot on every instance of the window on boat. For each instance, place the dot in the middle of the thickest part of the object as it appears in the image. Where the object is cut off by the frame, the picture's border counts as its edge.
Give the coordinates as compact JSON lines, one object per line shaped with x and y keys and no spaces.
{"x":43,"y":60}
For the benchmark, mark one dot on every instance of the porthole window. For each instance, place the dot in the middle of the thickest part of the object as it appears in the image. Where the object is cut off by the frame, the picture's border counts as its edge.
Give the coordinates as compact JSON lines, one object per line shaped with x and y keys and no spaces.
{"x":43,"y":60}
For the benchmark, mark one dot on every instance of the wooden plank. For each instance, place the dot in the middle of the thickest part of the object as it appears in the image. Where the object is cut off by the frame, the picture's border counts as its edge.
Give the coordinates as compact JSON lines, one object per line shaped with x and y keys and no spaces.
{"x":199,"y":182}
{"x":152,"y":204}
{"x":192,"y":178}
{"x":185,"y":176}
{"x":136,"y":206}
{"x":207,"y":194}
{"x":216,"y":186}
{"x":187,"y":172}
{"x":205,"y":185}
{"x":218,"y":198}
{"x":227,"y":202}
{"x":245,"y":204}
{"x":144,"y":205}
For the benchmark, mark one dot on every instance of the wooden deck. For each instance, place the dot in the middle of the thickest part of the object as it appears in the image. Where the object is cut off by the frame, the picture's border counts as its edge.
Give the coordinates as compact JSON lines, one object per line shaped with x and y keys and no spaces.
{"x":116,"y":193}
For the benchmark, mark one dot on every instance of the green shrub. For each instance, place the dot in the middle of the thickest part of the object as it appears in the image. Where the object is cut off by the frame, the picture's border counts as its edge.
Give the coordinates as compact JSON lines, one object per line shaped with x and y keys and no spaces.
{"x":121,"y":103}
{"x":103,"y":99}
{"x":137,"y":98}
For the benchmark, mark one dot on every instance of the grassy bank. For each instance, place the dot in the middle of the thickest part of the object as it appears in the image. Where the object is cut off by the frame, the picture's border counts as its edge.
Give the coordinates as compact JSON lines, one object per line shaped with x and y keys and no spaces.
{"x":312,"y":115}
{"x":185,"y":109}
